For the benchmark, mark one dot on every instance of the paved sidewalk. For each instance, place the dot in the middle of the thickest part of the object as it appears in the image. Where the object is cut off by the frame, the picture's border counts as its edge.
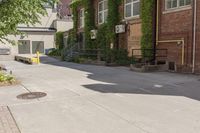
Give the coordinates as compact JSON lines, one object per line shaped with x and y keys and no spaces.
{"x":7,"y":123}
{"x":99,"y":99}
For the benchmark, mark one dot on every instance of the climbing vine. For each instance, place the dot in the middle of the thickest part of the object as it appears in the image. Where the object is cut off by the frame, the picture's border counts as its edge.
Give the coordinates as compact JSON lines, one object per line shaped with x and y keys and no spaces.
{"x":74,"y":6}
{"x":89,"y":23}
{"x":147,"y":29}
{"x":113,"y":19}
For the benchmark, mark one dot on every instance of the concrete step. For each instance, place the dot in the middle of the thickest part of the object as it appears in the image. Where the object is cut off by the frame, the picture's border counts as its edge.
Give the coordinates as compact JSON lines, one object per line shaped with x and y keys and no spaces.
{"x":6,"y":57}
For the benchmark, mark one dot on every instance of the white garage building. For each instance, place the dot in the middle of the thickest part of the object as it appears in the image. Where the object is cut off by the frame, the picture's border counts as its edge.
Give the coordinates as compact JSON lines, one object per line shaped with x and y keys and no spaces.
{"x":40,"y":37}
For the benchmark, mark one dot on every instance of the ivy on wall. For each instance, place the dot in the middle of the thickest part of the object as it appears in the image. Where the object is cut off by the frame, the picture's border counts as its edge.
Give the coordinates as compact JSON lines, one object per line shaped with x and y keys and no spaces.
{"x":72,"y":38}
{"x":73,"y":33}
{"x":113,"y":19}
{"x":147,"y":26}
{"x":89,"y":23}
{"x":59,"y":40}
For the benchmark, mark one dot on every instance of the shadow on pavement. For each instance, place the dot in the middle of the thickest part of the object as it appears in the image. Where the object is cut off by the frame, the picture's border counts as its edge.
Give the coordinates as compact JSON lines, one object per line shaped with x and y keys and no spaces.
{"x":121,"y":80}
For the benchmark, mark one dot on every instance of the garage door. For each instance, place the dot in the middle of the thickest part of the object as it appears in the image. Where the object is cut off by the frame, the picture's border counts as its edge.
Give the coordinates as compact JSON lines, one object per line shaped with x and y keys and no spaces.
{"x":37,"y":46}
{"x":24,"y":47}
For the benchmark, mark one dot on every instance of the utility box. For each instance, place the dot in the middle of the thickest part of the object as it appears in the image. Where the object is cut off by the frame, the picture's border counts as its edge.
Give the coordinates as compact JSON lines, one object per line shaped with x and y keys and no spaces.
{"x":93,"y":34}
{"x":120,"y":29}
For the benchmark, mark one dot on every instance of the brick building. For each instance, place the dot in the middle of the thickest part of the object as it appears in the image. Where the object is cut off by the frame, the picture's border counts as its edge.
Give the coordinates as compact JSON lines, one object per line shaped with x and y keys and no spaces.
{"x":64,"y":9}
{"x":175,"y":33}
{"x":176,"y":29}
{"x":130,"y":39}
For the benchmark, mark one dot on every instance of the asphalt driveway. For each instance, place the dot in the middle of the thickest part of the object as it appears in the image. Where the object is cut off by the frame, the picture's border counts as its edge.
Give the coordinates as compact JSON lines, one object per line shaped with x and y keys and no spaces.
{"x":98,"y":99}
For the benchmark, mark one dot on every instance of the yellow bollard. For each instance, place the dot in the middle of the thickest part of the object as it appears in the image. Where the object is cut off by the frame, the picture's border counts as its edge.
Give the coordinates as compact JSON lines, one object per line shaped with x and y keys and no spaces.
{"x":38,"y":57}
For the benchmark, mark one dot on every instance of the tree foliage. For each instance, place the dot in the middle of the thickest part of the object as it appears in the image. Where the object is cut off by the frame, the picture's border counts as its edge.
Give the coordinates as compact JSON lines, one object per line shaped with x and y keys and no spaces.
{"x":14,"y":12}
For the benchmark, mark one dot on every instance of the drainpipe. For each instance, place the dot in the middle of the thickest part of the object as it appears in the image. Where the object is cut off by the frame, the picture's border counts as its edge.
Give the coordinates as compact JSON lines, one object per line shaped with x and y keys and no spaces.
{"x":154,"y":26}
{"x":194,"y":34}
{"x":157,"y":20}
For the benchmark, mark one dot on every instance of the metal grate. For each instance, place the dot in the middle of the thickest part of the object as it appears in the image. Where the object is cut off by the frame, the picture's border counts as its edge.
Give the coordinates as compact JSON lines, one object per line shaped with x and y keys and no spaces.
{"x":171,"y":66}
{"x":32,"y":95}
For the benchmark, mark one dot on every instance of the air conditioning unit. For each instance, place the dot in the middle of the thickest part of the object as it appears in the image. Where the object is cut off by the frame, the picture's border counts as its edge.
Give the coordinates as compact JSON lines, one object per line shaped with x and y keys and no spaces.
{"x":120,"y":29}
{"x":93,"y":34}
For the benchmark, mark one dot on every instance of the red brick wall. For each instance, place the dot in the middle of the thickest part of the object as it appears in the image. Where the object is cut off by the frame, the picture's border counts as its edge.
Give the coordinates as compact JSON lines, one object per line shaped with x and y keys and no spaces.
{"x":175,"y":25}
{"x":63,"y":5}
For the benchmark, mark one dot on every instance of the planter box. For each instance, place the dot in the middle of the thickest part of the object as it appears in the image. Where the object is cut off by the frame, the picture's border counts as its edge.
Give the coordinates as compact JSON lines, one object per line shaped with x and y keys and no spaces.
{"x":93,"y":62}
{"x":148,"y":68}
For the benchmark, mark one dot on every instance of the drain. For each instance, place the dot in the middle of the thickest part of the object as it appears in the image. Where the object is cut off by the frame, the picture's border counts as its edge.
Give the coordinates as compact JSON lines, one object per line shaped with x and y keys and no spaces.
{"x":32,"y":95}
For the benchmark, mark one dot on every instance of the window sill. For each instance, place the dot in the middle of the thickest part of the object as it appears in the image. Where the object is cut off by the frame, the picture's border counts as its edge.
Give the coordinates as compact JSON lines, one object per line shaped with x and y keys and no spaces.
{"x":177,"y":9}
{"x":132,"y":18}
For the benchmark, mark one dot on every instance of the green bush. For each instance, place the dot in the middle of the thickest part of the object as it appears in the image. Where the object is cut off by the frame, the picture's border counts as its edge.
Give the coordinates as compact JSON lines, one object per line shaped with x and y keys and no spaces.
{"x":55,"y":52}
{"x":59,"y":40}
{"x":118,"y":56}
{"x":81,"y":59}
{"x":6,"y":78}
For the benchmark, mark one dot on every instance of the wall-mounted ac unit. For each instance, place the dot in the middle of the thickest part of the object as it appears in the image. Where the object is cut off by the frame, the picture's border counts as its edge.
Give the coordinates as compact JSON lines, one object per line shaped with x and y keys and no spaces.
{"x":120,"y":29}
{"x":93,"y":34}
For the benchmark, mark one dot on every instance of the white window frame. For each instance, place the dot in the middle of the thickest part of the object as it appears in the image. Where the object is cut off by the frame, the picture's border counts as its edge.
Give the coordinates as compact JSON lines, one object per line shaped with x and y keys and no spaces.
{"x":82,"y":18}
{"x":103,"y":12}
{"x":177,"y":7}
{"x":131,"y":3}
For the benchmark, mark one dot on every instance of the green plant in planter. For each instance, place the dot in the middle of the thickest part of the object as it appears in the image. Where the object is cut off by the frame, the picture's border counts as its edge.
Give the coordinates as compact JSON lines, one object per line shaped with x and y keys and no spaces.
{"x":118,"y":56}
{"x":6,"y":78}
{"x":55,"y":52}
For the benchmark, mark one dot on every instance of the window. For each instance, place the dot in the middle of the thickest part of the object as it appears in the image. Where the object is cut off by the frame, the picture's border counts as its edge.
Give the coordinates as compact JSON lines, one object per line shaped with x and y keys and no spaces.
{"x":24,"y":47}
{"x":81,"y":18}
{"x":132,"y":8}
{"x":102,"y":11}
{"x":37,"y":46}
{"x":171,"y":4}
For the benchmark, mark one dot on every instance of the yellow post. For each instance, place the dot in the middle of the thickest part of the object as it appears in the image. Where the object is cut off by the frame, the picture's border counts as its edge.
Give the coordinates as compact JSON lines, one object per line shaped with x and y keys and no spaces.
{"x":38,"y":57}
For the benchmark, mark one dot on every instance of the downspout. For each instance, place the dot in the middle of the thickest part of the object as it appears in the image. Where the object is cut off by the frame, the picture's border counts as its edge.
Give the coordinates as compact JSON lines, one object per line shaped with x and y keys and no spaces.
{"x":154,"y":35}
{"x":194,"y":35}
{"x":157,"y":21}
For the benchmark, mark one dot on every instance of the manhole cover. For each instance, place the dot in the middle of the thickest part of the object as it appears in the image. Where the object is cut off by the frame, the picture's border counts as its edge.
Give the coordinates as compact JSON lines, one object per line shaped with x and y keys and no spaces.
{"x":32,"y":95}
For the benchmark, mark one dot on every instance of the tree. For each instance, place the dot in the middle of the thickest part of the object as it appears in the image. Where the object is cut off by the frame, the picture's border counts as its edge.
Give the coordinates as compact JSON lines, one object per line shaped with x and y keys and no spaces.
{"x":14,"y":12}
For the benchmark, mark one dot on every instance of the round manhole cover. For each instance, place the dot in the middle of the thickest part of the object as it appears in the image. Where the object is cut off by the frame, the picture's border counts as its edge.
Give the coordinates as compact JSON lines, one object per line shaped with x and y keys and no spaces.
{"x":31,"y":95}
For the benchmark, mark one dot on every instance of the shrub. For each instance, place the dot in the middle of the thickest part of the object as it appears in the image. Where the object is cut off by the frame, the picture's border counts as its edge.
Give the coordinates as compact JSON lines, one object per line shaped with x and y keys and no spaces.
{"x":118,"y":56}
{"x":6,"y":78}
{"x":59,"y":40}
{"x":55,"y":52}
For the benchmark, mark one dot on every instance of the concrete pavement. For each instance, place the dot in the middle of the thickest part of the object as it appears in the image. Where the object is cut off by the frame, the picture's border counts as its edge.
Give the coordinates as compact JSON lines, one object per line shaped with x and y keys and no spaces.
{"x":98,"y":99}
{"x":7,"y":123}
